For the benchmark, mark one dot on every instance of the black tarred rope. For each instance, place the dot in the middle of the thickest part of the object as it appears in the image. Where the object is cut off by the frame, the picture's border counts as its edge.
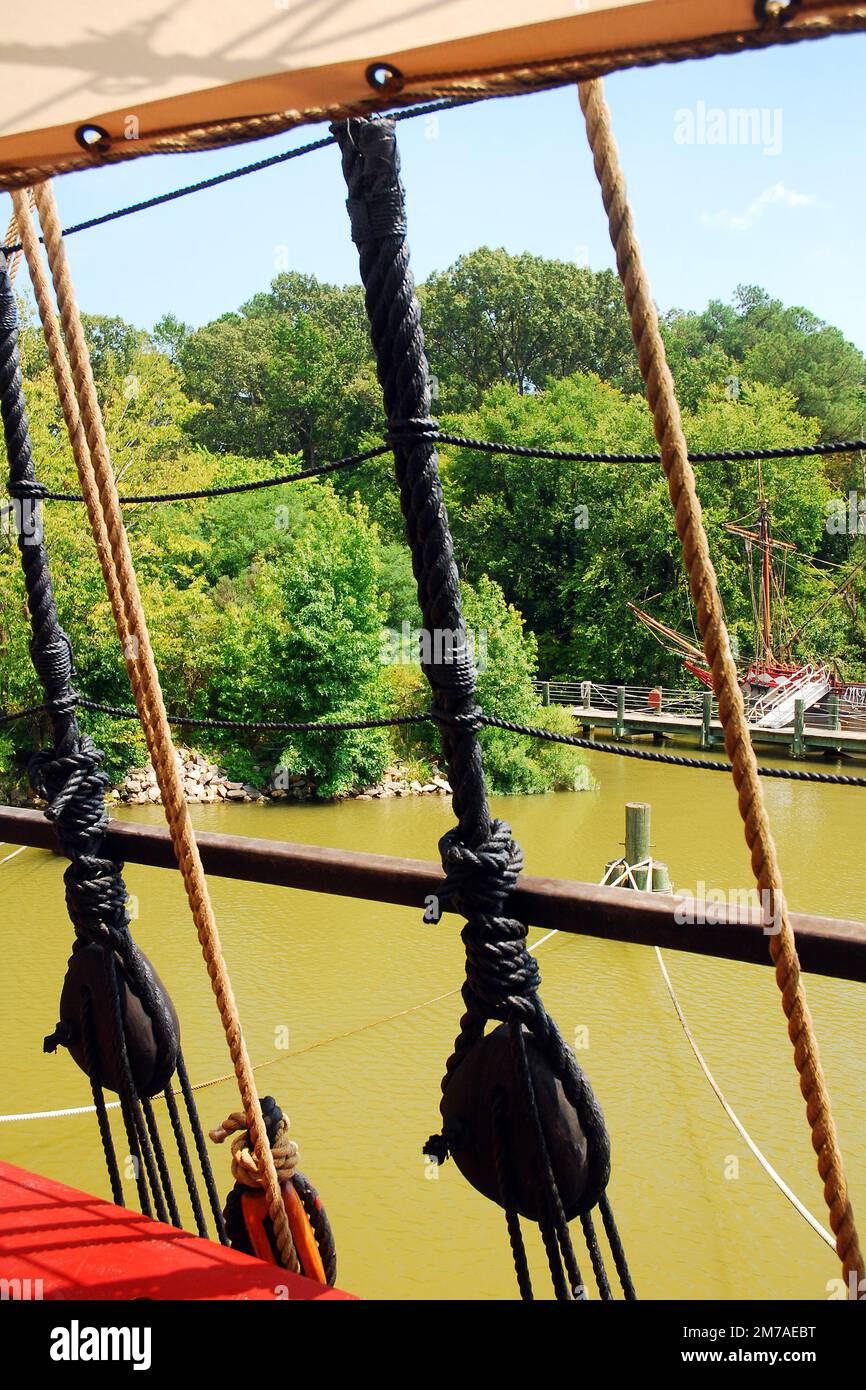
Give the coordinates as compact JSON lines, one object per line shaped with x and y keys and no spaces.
{"x":201,"y":1148}
{"x":89,"y":1046}
{"x":488,"y":721}
{"x":427,"y":108}
{"x":484,"y":446}
{"x":68,"y":775}
{"x":480,"y":858}
{"x":186,"y":1165}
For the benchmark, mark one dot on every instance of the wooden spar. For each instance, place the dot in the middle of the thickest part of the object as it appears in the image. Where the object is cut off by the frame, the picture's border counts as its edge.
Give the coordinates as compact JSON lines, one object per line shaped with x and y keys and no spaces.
{"x":768,"y":544}
{"x":827,"y":945}
{"x":662,"y":630}
{"x":756,"y":537}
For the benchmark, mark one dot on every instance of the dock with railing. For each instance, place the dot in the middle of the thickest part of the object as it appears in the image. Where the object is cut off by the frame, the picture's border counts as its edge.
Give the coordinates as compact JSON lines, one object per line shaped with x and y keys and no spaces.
{"x":659,"y":712}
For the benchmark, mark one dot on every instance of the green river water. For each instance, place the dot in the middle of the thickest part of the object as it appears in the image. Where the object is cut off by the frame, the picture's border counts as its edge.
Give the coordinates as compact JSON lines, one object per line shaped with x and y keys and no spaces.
{"x":369,"y":996}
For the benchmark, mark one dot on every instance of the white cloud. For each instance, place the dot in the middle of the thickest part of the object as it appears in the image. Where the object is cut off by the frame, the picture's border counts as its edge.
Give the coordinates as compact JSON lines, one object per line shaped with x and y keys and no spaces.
{"x":742,"y":221}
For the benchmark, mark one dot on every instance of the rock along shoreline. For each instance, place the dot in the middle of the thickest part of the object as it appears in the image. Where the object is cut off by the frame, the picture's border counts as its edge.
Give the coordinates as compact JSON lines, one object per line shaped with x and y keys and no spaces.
{"x":206,"y":783}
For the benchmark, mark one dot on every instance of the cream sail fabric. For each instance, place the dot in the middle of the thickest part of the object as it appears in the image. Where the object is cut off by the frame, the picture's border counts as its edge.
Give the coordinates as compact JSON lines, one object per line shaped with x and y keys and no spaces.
{"x":147,"y":71}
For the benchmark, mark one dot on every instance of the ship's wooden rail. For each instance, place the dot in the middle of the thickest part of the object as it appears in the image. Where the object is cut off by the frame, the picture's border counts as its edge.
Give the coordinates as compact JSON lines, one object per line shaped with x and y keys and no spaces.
{"x":827,"y":945}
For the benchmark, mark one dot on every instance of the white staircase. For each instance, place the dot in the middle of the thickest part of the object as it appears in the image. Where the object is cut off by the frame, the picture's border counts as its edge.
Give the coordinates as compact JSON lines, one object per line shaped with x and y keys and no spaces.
{"x":775,"y":710}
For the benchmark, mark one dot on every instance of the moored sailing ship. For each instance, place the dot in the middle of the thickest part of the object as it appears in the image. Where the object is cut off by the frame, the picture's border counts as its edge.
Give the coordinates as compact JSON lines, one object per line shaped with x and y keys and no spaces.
{"x":776,"y":678}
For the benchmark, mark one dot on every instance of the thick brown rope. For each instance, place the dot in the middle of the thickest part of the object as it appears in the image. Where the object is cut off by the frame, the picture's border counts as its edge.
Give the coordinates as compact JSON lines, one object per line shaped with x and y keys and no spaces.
{"x":245,"y":1165}
{"x":100,"y":493}
{"x":513,"y":80}
{"x":11,"y":237}
{"x":22,"y":202}
{"x":705,"y":592}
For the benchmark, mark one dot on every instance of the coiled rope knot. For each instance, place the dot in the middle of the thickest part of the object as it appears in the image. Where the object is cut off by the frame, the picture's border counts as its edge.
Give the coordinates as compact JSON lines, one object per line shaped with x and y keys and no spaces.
{"x":74,"y":782}
{"x":96,"y":900}
{"x":245,"y":1165}
{"x":469,"y":720}
{"x":480,"y":878}
{"x":377,"y":217}
{"x":501,"y":975}
{"x":418,"y":429}
{"x":27,"y":489}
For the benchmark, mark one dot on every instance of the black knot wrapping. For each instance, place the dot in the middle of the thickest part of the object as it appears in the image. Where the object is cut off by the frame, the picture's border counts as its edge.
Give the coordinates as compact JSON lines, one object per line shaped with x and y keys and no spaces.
{"x":381,"y":216}
{"x":470,"y":720}
{"x":96,"y":901}
{"x":479,"y":878}
{"x":73,"y":781}
{"x":53,"y":663}
{"x":421,"y":428}
{"x":27,"y":489}
{"x":451,"y":667}
{"x":500,"y":973}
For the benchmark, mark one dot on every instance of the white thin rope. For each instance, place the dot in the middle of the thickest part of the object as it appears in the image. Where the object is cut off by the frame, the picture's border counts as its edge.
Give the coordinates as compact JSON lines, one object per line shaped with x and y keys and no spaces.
{"x":625,"y":871}
{"x":736,"y":1122}
{"x":58,"y":1114}
{"x":12,"y":855}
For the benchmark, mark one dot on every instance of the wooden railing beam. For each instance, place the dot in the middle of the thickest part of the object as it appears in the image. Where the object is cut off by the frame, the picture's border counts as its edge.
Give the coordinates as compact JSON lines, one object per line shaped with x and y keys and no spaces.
{"x":827,"y":945}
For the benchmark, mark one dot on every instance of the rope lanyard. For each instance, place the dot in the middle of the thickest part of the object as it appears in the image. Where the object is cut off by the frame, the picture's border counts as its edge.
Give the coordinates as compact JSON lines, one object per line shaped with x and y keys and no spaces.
{"x":487,"y":721}
{"x":485,"y":446}
{"x":705,"y":593}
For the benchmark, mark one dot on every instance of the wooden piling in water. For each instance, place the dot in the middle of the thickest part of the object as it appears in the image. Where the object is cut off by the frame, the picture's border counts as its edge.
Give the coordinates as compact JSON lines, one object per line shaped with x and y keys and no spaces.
{"x":661,"y":879}
{"x":798,"y":749}
{"x":619,"y":727}
{"x":638,"y":816}
{"x":652,"y":876}
{"x":707,"y":720}
{"x":638,"y":819}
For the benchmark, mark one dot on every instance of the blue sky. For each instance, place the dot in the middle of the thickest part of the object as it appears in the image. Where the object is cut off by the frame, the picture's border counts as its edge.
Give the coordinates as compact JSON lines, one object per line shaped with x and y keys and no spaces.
{"x":785,"y":210}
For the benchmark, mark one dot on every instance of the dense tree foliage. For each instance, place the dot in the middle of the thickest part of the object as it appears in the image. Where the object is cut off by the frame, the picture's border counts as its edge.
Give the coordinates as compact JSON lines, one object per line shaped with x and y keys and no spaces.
{"x":522,"y":319}
{"x":571,"y":544}
{"x":272,"y":605}
{"x":758,"y":339}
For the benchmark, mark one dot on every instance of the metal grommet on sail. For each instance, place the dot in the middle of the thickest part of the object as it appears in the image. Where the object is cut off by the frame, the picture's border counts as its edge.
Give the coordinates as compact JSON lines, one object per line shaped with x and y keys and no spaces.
{"x":93,"y":137}
{"x":384,"y":77}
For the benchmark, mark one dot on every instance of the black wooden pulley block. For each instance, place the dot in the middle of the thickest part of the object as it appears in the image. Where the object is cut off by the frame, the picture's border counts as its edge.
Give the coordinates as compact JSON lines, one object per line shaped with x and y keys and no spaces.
{"x":151,"y":1064}
{"x":468,"y":1107}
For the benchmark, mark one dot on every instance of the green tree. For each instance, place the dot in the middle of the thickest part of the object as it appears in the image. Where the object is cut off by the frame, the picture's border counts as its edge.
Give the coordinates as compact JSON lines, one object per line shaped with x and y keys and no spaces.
{"x":506,"y":659}
{"x":571,"y":544}
{"x":495,"y":317}
{"x":786,"y":347}
{"x":290,"y":372}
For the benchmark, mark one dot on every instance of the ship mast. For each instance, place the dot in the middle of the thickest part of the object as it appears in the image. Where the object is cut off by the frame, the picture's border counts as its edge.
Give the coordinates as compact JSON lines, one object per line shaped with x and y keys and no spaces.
{"x":766,"y":581}
{"x":762,"y":536}
{"x":766,"y":566}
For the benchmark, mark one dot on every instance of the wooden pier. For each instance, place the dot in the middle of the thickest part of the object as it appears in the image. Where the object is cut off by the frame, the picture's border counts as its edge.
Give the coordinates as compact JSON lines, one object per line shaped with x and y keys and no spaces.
{"x":656,"y":712}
